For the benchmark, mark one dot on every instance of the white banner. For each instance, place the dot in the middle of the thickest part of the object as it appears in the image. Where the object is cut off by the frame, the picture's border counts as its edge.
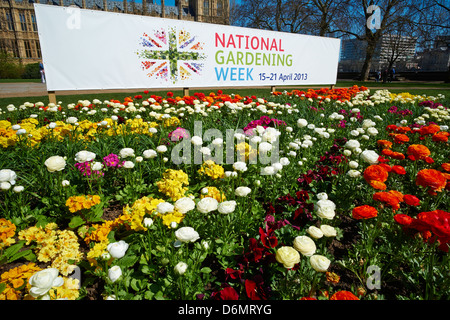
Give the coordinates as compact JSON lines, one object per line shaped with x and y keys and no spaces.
{"x":90,"y":49}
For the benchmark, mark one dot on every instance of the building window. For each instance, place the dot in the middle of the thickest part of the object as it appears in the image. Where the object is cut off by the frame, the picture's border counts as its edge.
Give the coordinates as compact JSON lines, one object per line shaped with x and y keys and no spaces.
{"x":219,"y":8}
{"x":9,"y":21}
{"x":15,"y":49}
{"x":23,"y":22}
{"x":206,"y":7}
{"x":38,"y":50}
{"x":28,"y":52}
{"x":33,"y":21}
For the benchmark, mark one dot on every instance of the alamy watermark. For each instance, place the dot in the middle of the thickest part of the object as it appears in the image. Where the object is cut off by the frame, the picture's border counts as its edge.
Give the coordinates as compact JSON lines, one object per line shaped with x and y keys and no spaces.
{"x":73,"y":22}
{"x":374,"y":280}
{"x":374,"y":21}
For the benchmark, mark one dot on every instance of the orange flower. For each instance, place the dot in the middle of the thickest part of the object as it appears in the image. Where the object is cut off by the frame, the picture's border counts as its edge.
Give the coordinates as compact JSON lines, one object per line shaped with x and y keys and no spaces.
{"x":403,"y":219}
{"x":398,"y":156}
{"x":400,"y":138}
{"x":441,"y":136}
{"x":332,"y":277}
{"x":385,"y":144}
{"x":446,"y":166}
{"x":397,"y":194}
{"x":343,"y":295}
{"x":403,"y":129}
{"x":376,"y":175}
{"x":390,"y":198}
{"x":398,"y":169}
{"x":418,"y":151}
{"x":430,"y":178}
{"x":431,"y":129}
{"x":364,"y":212}
{"x":377,"y":185}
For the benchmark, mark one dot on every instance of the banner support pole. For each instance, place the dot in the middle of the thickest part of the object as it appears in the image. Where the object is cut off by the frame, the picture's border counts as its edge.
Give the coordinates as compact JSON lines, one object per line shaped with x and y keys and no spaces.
{"x":185,"y":91}
{"x":52,"y":97}
{"x":272,"y":89}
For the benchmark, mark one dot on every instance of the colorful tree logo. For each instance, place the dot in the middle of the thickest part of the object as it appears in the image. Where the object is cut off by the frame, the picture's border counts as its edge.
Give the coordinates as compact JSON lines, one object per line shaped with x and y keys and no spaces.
{"x":174,"y":55}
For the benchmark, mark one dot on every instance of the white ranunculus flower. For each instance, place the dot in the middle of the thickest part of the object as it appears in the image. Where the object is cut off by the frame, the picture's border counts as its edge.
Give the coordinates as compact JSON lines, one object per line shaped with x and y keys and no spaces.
{"x":187,"y":234}
{"x":97,"y":166}
{"x":165,"y":207}
{"x":242,"y":191}
{"x":55,"y":163}
{"x":367,"y":123}
{"x":126,"y":152}
{"x":18,"y":189}
{"x":84,"y":155}
{"x":149,"y":154}
{"x":128,"y":164}
{"x":269,"y":170}
{"x":302,"y":123}
{"x":325,"y":209}
{"x":197,"y":141}
{"x":372,"y":131}
{"x":353,"y":164}
{"x":271,"y":135}
{"x":148,"y":222}
{"x":353,"y":173}
{"x":322,"y":196}
{"x":284,"y":161}
{"x":180,"y":268}
{"x":8,"y":175}
{"x":352,"y":144}
{"x":117,"y":249}
{"x":328,"y":231}
{"x":315,"y":232}
{"x":114,"y":273}
{"x":305,"y":245}
{"x":72,"y":120}
{"x":227,"y":207}
{"x":184,"y":205}
{"x":319,"y":263}
{"x":240,"y":166}
{"x":5,"y":185}
{"x":42,"y":281}
{"x":288,"y":256}
{"x":369,"y":156}
{"x":161,"y":149}
{"x":65,"y":183}
{"x":264,"y":147}
{"x":207,"y":204}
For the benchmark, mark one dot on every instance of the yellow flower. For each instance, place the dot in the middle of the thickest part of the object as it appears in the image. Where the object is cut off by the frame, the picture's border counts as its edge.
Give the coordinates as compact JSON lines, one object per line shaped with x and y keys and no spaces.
{"x":7,"y":232}
{"x":215,"y":193}
{"x":174,"y":216}
{"x":77,"y":203}
{"x":69,"y":290}
{"x":211,"y":169}
{"x":244,"y":148}
{"x":15,"y":278}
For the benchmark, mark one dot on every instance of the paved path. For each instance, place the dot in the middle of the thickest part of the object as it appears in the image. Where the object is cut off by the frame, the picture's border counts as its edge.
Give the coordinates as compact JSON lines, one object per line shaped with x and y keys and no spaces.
{"x":33,"y":89}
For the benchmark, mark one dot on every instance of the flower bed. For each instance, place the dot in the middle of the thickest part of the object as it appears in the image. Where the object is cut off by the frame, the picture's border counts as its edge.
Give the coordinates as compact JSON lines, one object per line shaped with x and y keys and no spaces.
{"x":318,"y":194}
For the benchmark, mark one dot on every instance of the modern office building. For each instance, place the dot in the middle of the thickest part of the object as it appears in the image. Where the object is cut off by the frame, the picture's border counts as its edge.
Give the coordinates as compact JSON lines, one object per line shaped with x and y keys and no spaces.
{"x":399,"y":49}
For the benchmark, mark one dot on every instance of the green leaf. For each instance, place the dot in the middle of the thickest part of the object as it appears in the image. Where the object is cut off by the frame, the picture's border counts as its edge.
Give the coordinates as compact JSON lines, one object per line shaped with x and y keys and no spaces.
{"x":19,"y":255}
{"x":12,"y":250}
{"x":205,"y":270}
{"x":2,"y":287}
{"x":76,"y":222}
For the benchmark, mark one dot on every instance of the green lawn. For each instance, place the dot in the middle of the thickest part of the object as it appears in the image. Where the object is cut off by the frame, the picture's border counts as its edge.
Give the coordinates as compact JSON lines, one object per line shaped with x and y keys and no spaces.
{"x":425,"y":89}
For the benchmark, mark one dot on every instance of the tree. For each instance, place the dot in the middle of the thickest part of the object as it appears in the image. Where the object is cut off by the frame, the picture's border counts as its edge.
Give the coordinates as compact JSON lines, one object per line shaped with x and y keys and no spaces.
{"x":314,"y":17}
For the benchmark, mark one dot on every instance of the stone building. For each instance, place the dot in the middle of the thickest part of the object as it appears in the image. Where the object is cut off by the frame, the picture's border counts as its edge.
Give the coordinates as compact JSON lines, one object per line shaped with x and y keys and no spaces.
{"x":18,"y":28}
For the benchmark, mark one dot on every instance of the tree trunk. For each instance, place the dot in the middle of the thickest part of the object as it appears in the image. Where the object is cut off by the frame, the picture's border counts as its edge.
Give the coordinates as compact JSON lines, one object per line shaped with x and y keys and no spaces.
{"x":371,"y":44}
